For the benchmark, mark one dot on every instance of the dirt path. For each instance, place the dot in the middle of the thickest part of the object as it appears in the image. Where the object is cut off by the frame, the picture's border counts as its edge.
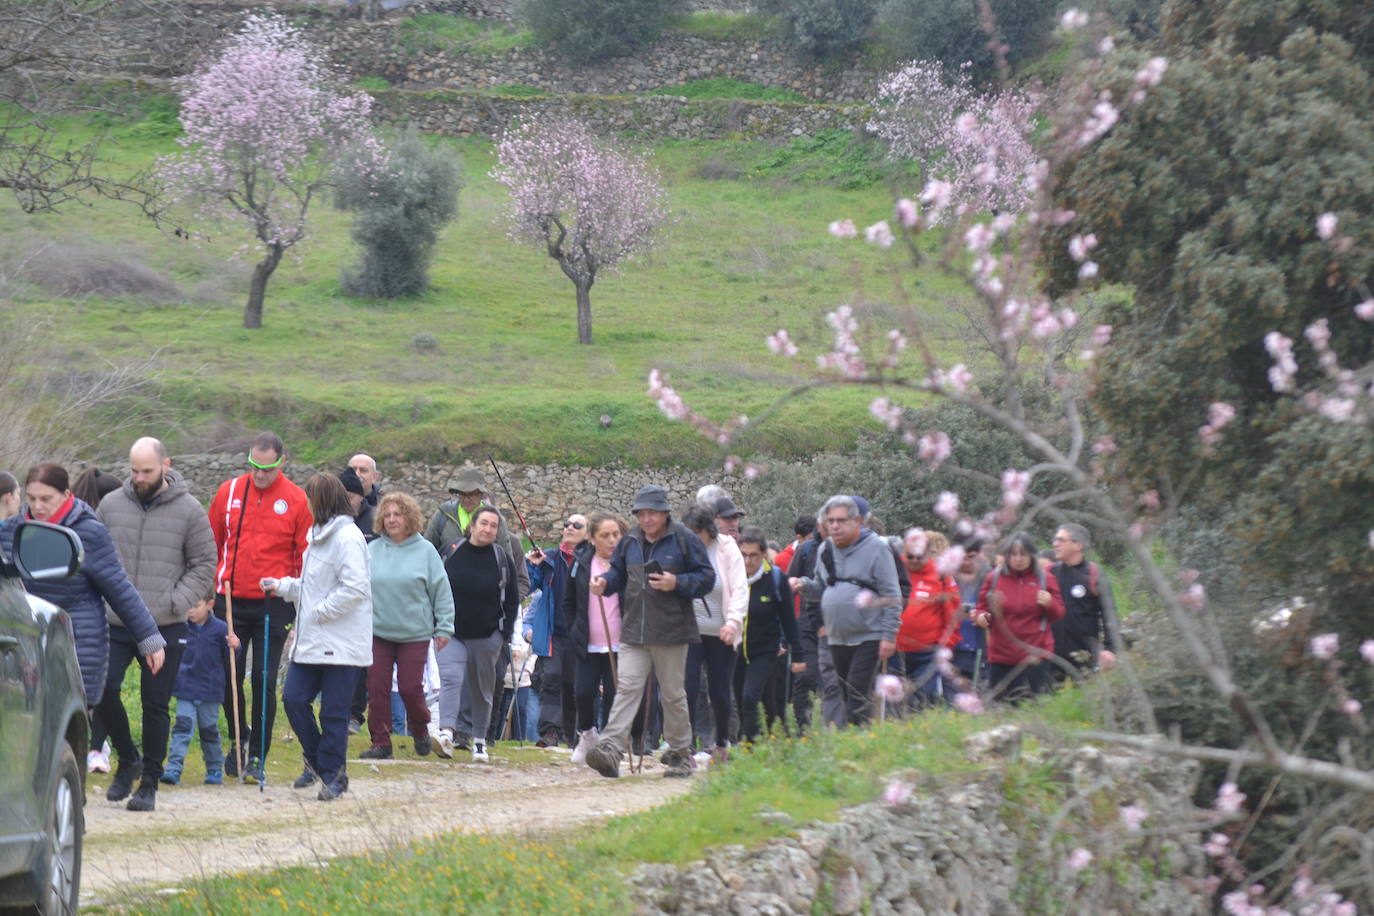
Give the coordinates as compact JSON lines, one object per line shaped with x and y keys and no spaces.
{"x":200,"y":831}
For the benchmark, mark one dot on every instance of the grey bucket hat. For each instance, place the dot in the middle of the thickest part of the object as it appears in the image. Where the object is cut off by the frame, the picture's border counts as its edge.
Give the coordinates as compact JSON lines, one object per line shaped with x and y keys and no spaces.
{"x":651,"y":497}
{"x":468,"y":479}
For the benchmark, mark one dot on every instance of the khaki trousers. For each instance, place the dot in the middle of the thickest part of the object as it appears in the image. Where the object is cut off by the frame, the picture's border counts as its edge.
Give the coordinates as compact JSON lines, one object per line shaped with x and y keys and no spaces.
{"x":635,"y":665}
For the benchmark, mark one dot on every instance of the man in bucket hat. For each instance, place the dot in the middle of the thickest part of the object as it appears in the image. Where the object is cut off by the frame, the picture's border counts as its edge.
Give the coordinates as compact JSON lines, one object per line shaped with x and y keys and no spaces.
{"x":658,"y":569}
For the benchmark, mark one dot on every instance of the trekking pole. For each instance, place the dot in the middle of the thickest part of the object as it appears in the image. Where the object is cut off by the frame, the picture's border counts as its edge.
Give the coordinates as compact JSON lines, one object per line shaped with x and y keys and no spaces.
{"x":512,"y":502}
{"x":605,"y":623}
{"x":515,"y":701}
{"x":234,"y":681}
{"x":262,"y":733}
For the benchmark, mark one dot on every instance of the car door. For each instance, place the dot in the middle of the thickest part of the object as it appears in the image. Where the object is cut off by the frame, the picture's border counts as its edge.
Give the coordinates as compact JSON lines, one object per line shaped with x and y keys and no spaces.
{"x":20,"y":722}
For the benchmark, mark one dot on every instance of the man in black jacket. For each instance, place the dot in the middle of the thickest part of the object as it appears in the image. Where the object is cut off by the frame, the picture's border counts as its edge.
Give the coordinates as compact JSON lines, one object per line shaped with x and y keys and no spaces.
{"x":657,"y":569}
{"x":1088,"y":634}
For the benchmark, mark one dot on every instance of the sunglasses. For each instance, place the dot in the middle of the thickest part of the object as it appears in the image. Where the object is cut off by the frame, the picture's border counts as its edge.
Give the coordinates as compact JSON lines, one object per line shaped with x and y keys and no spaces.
{"x":265,"y":467}
{"x":576,"y":526}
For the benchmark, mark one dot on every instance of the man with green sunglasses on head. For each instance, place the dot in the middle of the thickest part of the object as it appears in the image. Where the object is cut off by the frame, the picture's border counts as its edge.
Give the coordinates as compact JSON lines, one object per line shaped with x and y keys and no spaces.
{"x":261,"y":523}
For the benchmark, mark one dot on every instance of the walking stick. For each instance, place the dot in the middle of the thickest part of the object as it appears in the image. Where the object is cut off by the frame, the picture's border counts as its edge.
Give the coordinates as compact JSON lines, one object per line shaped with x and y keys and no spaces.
{"x":234,"y":679}
{"x":515,"y":701}
{"x":882,"y":697}
{"x":262,"y":733}
{"x":512,"y":502}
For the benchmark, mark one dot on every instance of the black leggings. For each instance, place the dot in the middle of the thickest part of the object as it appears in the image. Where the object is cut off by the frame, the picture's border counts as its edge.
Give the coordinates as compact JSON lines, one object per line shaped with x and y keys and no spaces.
{"x":592,"y":675}
{"x":719,"y":659}
{"x":155,"y":695}
{"x":760,"y":680}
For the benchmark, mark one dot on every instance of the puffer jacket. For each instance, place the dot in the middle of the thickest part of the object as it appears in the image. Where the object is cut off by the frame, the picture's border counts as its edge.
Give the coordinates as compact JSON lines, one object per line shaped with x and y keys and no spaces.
{"x":167,"y":548}
{"x":333,"y":597}
{"x":1020,"y":626}
{"x":649,"y":617}
{"x":83,"y":597}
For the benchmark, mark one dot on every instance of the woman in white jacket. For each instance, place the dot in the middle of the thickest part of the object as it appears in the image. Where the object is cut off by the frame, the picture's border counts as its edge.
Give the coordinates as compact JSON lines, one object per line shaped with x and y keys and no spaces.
{"x":333,"y":598}
{"x":720,"y":620}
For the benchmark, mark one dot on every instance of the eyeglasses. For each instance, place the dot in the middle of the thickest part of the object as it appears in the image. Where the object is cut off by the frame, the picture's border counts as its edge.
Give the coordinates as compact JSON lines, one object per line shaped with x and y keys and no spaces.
{"x":265,"y":467}
{"x":576,"y":526}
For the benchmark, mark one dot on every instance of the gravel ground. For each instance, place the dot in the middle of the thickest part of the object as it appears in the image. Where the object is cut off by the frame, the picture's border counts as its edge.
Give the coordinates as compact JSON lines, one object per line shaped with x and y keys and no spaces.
{"x":200,"y":831}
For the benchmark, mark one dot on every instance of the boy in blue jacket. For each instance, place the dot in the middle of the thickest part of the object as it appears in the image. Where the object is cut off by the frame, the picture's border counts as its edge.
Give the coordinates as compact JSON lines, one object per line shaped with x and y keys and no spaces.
{"x":199,"y":690}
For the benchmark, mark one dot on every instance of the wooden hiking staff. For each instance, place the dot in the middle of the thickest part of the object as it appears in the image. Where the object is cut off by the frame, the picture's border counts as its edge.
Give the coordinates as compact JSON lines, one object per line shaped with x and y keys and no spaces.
{"x":234,"y":682}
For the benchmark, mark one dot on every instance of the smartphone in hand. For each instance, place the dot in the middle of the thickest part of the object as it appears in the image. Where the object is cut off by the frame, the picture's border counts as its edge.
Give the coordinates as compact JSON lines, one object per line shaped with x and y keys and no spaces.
{"x":653,"y":568}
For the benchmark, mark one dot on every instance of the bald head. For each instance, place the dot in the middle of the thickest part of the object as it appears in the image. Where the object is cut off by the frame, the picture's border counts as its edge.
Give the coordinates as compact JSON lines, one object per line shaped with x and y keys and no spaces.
{"x":148,"y":462}
{"x":366,"y":469}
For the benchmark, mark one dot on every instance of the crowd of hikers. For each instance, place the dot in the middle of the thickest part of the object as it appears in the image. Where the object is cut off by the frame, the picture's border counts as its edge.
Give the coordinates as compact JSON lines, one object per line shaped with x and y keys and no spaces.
{"x":450,"y":631}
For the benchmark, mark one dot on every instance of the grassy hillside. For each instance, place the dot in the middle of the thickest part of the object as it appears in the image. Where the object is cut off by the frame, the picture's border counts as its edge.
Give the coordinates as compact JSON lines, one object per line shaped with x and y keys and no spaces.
{"x":488,"y":357}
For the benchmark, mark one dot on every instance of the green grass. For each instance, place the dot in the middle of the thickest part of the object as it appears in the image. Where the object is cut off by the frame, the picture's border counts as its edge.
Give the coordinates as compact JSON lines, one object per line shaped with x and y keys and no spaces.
{"x":724,"y":87}
{"x":372,"y":83}
{"x":437,"y":33}
{"x":580,"y":872}
{"x":717,"y":25}
{"x":487,"y":358}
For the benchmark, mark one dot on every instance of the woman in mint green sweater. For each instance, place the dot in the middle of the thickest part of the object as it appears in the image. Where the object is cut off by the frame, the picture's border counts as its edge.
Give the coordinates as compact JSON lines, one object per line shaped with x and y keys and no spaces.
{"x":411,"y":604}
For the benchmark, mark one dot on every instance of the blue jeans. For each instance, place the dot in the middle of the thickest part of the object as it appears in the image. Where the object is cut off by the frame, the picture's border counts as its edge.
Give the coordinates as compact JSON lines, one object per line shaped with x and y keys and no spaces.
{"x":324,"y":744}
{"x":193,"y":716}
{"x":923,"y":670}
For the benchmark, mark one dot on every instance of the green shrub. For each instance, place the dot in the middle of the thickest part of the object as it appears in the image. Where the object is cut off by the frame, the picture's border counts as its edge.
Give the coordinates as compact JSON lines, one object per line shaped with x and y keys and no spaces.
{"x":398,"y":213}
{"x":823,"y":28}
{"x":592,"y":30}
{"x":372,"y":83}
{"x":950,"y":32}
{"x":161,"y":118}
{"x":723,"y":87}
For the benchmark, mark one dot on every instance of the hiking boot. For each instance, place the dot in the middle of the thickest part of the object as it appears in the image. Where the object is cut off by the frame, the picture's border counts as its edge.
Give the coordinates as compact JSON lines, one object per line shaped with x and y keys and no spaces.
{"x":354,"y":726}
{"x":305,"y":780}
{"x":145,"y":799}
{"x":123,"y":783}
{"x":585,"y":742}
{"x":677,"y":766}
{"x":605,"y":759}
{"x":719,"y":754}
{"x":170,"y":777}
{"x":376,"y":752}
{"x":214,"y":777}
{"x":479,"y":752}
{"x":423,"y":744}
{"x":548,"y":739}
{"x":97,"y":762}
{"x":332,"y":790}
{"x":231,"y":762}
{"x":462,"y":742}
{"x":443,"y":745}
{"x":255,"y":772}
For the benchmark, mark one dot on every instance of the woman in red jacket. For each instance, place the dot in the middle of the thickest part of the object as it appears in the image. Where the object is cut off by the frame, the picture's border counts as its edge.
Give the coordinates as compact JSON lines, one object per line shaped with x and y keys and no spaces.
{"x":1017,"y":604}
{"x":930,"y":620}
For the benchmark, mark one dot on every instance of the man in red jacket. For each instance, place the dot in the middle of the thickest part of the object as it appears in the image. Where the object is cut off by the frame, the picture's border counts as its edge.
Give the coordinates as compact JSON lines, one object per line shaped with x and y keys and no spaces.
{"x":261,"y":523}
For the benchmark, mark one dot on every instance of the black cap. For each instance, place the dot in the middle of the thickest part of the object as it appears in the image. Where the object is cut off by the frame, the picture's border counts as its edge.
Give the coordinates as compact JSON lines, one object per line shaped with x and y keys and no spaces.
{"x":726,"y":508}
{"x":351,"y":481}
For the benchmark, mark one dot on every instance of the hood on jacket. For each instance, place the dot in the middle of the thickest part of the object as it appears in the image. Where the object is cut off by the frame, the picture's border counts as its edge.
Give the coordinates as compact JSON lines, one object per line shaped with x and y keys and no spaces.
{"x":321,"y":533}
{"x":175,"y":486}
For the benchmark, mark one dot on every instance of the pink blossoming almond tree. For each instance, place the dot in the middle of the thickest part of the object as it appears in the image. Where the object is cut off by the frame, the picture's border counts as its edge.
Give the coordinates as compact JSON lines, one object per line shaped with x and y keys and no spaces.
{"x":264,"y":128}
{"x":591,"y":205}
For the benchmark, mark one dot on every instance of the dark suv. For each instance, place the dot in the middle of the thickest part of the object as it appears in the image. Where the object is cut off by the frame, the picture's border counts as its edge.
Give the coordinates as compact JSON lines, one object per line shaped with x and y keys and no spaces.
{"x":44,"y":730}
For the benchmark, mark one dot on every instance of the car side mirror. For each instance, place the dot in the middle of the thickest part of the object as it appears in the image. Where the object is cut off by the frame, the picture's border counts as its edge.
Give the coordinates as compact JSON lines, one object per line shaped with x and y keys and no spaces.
{"x":46,"y":551}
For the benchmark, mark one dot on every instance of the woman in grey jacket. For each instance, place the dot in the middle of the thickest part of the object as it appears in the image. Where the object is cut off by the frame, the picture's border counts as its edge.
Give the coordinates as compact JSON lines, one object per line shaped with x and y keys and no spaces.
{"x":333,"y":598}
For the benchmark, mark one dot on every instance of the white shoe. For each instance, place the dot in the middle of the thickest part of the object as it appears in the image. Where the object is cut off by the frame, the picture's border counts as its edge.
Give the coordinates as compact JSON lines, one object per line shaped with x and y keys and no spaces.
{"x":479,"y":752}
{"x":585,"y":742}
{"x":96,"y":762}
{"x":443,"y":744}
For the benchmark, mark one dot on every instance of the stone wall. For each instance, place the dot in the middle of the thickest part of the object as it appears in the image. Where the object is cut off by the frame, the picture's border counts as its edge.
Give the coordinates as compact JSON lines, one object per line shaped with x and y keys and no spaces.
{"x":465,"y":113}
{"x":953,"y":849}
{"x":173,"y":40}
{"x":546,"y":493}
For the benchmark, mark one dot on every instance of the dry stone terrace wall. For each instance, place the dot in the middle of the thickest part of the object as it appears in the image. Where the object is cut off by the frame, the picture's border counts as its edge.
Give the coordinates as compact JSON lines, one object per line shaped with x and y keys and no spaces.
{"x":462,"y":114}
{"x":172,"y":40}
{"x":546,"y":493}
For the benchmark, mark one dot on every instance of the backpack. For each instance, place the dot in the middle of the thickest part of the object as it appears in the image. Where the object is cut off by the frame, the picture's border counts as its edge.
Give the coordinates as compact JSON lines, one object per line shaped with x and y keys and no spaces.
{"x":827,"y":559}
{"x":502,"y":562}
{"x":1093,"y":573}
